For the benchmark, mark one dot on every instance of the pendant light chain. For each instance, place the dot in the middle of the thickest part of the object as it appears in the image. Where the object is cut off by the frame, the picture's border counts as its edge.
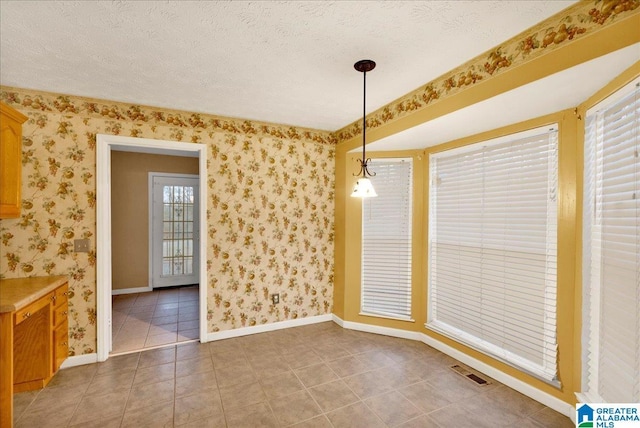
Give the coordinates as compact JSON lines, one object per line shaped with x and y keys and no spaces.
{"x":363,"y":187}
{"x":364,"y":125}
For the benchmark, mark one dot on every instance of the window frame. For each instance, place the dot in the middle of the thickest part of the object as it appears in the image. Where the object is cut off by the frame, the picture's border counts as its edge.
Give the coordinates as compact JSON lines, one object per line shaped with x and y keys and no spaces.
{"x":470,"y":340}
{"x":363,"y":311}
{"x":592,"y":293}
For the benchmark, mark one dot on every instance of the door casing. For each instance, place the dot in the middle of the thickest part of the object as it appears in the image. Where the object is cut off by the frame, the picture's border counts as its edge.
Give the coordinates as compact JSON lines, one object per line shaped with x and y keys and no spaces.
{"x":104,"y":145}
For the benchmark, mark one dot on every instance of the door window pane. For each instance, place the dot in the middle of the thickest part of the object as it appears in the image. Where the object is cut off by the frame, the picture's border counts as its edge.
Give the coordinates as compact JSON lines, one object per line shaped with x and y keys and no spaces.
{"x":178,"y":230}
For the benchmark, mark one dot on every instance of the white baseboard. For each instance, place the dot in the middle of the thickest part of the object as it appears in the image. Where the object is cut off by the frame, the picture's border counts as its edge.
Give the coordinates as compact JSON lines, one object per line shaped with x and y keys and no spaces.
{"x":386,"y":331}
{"x":522,"y":387}
{"x":245,"y":331}
{"x":516,"y":384}
{"x":79,"y":360}
{"x":336,"y":319}
{"x":118,"y":291}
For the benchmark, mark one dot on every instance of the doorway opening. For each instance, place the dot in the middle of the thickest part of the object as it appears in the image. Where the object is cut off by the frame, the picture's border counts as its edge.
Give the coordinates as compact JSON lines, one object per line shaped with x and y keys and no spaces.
{"x":188,"y":238}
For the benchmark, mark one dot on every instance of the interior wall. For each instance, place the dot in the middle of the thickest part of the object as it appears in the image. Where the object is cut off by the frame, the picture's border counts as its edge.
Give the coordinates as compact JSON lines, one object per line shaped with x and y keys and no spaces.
{"x":444,"y":95}
{"x":270,"y":203}
{"x":566,"y":312}
{"x":130,"y":212}
{"x":569,"y":326}
{"x":395,"y":117}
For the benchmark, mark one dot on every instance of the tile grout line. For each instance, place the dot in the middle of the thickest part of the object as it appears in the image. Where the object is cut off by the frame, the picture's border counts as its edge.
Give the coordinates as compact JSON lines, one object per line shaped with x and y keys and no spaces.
{"x":75,"y":410}
{"x":259,"y":380}
{"x":306,"y":389}
{"x":215,"y":374}
{"x":175,"y":383}
{"x":27,"y":408}
{"x":402,"y":365}
{"x":124,"y":410}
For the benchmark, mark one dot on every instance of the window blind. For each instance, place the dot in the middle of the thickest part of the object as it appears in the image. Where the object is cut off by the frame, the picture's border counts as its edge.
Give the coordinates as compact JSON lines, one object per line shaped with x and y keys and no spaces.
{"x":386,"y":241}
{"x":611,"y":249}
{"x":492,"y":248}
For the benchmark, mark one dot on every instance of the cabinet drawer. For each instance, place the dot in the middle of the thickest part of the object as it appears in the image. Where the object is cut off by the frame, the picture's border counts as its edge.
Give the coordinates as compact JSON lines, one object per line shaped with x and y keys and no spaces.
{"x":24,"y":313}
{"x":60,"y":344}
{"x":60,"y":295}
{"x":60,"y":315}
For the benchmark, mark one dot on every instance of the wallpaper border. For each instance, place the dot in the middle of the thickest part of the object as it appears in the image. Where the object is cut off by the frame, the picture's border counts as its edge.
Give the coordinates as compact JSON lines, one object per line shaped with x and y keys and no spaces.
{"x":184,"y":121}
{"x":575,"y":22}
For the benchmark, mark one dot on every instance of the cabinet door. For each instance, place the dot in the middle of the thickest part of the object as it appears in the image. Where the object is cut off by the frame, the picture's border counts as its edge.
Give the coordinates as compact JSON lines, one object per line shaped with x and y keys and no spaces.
{"x":32,"y":348}
{"x":10,"y":161}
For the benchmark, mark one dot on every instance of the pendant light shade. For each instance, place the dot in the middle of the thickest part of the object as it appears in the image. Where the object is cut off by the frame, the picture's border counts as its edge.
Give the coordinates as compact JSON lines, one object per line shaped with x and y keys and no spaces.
{"x":364,"y":187}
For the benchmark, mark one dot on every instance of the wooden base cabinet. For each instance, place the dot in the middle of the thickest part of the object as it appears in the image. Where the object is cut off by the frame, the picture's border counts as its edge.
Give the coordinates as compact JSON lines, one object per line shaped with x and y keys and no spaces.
{"x":40,"y":340}
{"x":34,"y":331}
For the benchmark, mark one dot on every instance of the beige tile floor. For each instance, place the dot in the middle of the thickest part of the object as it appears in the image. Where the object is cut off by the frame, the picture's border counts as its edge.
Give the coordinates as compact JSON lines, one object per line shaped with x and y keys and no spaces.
{"x":313,"y":376}
{"x":160,"y":317}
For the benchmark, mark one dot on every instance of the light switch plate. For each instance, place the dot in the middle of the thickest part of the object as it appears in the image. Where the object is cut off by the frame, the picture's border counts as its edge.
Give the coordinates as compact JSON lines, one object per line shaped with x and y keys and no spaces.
{"x":275,"y":298}
{"x":81,"y":245}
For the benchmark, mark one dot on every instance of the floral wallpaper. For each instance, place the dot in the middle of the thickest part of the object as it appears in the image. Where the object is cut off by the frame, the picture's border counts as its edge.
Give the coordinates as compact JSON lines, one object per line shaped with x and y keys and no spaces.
{"x":581,"y":19}
{"x":269,"y":212}
{"x":271,"y":223}
{"x":270,"y":187}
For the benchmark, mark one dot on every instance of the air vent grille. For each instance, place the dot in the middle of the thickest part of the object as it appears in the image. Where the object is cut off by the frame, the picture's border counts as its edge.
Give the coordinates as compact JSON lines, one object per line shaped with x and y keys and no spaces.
{"x":471,"y":375}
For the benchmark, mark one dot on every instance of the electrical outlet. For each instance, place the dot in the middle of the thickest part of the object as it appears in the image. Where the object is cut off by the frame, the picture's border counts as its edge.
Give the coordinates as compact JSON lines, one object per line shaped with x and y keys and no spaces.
{"x":81,"y":245}
{"x":275,"y":298}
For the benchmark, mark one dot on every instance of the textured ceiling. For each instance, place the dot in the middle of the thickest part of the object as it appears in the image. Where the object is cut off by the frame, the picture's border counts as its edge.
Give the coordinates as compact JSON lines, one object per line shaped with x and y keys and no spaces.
{"x":276,"y":61}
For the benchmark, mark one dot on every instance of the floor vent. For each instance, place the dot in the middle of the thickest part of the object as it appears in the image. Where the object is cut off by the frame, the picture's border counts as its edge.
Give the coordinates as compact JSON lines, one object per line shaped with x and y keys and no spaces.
{"x":474,"y":377}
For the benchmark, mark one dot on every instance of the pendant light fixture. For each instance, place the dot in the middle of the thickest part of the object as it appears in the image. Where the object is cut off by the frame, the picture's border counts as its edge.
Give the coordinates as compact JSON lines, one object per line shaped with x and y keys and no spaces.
{"x":363,"y":187}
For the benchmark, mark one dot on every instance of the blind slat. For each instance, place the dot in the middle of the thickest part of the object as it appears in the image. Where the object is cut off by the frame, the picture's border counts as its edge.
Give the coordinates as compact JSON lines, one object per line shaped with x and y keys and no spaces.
{"x":386,"y":241}
{"x":492,"y":249}
{"x":611,"y":249}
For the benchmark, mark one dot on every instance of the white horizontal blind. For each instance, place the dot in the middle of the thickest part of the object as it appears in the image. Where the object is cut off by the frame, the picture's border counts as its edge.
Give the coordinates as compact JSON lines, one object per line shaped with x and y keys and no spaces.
{"x":611,"y":249}
{"x":386,"y":241}
{"x":492,"y":248}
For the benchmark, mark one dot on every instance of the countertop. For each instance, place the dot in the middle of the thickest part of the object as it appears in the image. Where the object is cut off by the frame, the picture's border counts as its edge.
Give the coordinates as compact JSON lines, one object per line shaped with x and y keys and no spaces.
{"x":18,"y":292}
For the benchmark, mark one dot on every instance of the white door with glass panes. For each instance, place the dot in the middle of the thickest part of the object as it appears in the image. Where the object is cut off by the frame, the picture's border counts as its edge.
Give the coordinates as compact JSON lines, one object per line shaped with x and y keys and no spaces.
{"x":174,"y":229}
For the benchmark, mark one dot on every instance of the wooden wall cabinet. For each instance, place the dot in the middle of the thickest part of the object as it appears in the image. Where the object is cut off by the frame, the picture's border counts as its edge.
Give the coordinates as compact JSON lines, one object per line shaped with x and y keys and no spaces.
{"x":11,"y":122}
